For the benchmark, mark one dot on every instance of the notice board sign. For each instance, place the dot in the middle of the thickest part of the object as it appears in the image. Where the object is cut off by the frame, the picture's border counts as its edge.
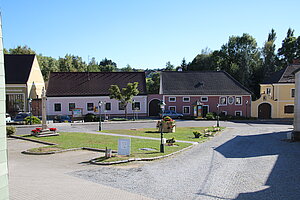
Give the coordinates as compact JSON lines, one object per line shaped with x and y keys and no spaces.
{"x":77,"y":112}
{"x":124,"y":146}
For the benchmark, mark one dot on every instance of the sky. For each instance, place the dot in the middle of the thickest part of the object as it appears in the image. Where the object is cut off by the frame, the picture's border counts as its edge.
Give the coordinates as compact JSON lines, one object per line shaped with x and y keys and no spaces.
{"x":141,"y":33}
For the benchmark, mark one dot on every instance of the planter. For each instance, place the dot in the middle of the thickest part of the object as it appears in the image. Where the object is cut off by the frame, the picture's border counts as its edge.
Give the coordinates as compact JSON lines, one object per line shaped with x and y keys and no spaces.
{"x":167,"y":127}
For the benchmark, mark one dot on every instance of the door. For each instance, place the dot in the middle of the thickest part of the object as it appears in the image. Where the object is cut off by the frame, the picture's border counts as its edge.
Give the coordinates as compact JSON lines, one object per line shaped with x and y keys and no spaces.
{"x":204,"y":111}
{"x":154,"y":107}
{"x":264,"y":111}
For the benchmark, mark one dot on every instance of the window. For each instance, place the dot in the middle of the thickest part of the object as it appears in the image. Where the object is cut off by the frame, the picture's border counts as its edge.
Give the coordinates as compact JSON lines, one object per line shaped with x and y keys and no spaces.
{"x":223,"y":113}
{"x":71,"y":106}
{"x":107,"y":106}
{"x":186,"y":99}
{"x":268,"y":91}
{"x":57,"y":107}
{"x":293,"y":92}
{"x":238,"y":113}
{"x":186,"y":110}
{"x":136,"y":106}
{"x":223,"y":100}
{"x":289,"y":109}
{"x":238,"y":100}
{"x":204,"y":99}
{"x":172,"y":108}
{"x":90,"y":106}
{"x":230,"y":100}
{"x":121,"y":106}
{"x":172,"y":99}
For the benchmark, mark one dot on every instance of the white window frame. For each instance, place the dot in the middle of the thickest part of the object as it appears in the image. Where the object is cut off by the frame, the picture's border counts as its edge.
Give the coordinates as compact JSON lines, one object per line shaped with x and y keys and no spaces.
{"x":133,"y":105}
{"x":268,"y":90}
{"x":170,"y":99}
{"x":54,"y":107}
{"x":288,"y":105}
{"x":189,"y":99}
{"x":220,"y":101}
{"x":87,"y":107}
{"x":231,"y":97}
{"x":186,"y":107}
{"x":239,"y":112}
{"x":292,"y":93}
{"x":236,"y":100}
{"x":204,"y":100}
{"x":69,"y":106}
{"x":172,"y":107}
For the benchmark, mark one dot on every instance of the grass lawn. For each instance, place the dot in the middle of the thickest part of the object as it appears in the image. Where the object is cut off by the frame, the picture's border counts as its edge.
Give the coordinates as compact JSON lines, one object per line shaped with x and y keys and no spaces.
{"x":74,"y":140}
{"x":182,"y":133}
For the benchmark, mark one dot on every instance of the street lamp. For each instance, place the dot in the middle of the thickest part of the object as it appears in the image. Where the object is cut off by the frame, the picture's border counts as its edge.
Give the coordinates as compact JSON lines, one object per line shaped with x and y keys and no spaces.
{"x":162,"y":147}
{"x":29,"y":102}
{"x":246,"y":108}
{"x":218,"y":107}
{"x":133,"y":109}
{"x":100,"y":125}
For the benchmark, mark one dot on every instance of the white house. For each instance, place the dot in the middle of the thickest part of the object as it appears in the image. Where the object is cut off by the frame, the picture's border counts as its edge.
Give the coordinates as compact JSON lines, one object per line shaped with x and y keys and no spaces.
{"x":83,"y":90}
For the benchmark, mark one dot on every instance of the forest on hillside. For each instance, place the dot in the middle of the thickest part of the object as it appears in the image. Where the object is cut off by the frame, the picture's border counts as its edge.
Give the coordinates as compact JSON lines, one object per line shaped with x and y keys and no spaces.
{"x":240,"y":57}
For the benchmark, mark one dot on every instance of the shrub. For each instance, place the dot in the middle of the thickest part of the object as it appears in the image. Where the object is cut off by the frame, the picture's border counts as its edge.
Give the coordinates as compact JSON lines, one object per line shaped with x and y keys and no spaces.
{"x":34,"y":120}
{"x":197,"y":134}
{"x":90,"y":117}
{"x":210,"y":115}
{"x":118,"y":119}
{"x":10,"y":130}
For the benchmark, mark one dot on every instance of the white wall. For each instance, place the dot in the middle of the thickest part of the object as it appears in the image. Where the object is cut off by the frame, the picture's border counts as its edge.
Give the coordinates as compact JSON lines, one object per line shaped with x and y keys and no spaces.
{"x":81,"y":102}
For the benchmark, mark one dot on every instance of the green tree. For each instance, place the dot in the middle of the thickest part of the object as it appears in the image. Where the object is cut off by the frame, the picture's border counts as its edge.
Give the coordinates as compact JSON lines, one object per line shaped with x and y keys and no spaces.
{"x":269,"y":56}
{"x":22,"y":50}
{"x":287,"y":52}
{"x":203,"y":61}
{"x":183,"y":65}
{"x":71,"y":63}
{"x":93,"y":66}
{"x":47,"y":65}
{"x":153,"y":83}
{"x":128,"y":68}
{"x":169,"y":66}
{"x":125,"y":95}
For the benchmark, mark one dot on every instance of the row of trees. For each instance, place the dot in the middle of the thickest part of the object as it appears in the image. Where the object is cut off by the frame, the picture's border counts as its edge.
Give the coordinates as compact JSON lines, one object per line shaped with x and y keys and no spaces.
{"x":240,"y":57}
{"x":69,"y":63}
{"x":246,"y":62}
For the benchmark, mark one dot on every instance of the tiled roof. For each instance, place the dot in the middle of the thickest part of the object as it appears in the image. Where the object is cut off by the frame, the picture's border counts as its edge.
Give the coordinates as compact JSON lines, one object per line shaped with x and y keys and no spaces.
{"x":17,"y":68}
{"x":92,"y":83}
{"x":283,"y":76}
{"x":201,"y":83}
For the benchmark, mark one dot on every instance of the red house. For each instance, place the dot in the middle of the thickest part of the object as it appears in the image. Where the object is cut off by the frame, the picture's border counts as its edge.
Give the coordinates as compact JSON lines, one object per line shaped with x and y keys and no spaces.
{"x":196,"y":93}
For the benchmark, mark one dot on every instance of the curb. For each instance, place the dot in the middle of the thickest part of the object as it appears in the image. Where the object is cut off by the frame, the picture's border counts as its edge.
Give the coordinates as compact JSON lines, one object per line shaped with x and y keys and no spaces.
{"x":31,"y":140}
{"x":64,"y":150}
{"x":139,"y":159}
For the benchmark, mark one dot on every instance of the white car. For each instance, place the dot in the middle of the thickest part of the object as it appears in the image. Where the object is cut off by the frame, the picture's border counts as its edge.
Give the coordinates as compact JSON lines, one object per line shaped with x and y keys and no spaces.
{"x":8,"y":118}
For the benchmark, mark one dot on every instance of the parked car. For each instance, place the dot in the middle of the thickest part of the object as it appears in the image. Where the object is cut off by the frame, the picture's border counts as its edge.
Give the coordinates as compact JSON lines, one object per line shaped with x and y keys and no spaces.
{"x":20,"y":117}
{"x":8,"y":118}
{"x":171,"y":114}
{"x":62,"y":118}
{"x":90,"y":117}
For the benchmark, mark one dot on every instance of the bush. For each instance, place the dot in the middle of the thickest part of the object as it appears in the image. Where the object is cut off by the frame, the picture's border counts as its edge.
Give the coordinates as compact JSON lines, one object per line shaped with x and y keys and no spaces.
{"x":90,"y":117}
{"x":197,"y":134}
{"x":210,"y":115}
{"x":10,"y":130}
{"x":34,"y":120}
{"x":118,"y":119}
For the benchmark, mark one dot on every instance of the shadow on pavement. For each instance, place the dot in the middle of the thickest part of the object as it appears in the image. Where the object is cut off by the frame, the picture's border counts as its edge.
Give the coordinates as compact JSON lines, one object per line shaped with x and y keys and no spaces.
{"x":284,"y":179}
{"x":259,"y":121}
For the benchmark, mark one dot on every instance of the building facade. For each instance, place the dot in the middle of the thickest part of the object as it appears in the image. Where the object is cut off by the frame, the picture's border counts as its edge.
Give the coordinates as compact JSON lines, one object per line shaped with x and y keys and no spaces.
{"x":201,"y":92}
{"x":82,"y":90}
{"x":277,"y":95}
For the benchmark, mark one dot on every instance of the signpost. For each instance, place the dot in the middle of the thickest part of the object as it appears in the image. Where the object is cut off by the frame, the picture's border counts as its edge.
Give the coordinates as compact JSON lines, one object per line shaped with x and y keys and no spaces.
{"x":124,"y":146}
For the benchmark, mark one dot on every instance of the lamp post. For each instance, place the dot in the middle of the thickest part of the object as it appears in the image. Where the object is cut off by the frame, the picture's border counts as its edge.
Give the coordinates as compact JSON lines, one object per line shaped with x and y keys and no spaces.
{"x":218,"y":107}
{"x":162,"y":147}
{"x":100,"y":125}
{"x":246,"y":108}
{"x":30,"y":102}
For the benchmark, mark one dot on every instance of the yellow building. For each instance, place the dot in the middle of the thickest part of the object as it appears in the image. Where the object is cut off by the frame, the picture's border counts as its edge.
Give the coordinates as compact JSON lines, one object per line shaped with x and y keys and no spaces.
{"x":277,"y":95}
{"x":23,"y":81}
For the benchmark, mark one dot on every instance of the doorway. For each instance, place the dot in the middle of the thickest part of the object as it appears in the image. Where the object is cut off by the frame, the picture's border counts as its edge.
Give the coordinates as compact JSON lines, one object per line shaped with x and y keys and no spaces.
{"x":264,"y":111}
{"x":154,"y":107}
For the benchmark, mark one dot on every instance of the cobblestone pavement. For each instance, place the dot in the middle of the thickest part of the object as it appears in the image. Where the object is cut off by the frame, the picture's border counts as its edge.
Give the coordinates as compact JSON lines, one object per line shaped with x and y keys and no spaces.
{"x":248,"y":162}
{"x":46,"y":177}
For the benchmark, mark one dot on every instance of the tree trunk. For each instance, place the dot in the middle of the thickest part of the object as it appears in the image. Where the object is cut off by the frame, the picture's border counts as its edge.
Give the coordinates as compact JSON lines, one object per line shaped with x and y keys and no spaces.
{"x":125,"y":107}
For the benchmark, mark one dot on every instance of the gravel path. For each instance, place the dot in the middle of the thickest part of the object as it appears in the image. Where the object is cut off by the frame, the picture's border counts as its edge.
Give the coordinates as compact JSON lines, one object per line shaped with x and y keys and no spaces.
{"x":242,"y":163}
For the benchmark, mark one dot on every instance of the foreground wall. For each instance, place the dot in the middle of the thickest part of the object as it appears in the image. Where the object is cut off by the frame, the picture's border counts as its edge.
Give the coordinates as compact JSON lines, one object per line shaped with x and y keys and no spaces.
{"x":3,"y":145}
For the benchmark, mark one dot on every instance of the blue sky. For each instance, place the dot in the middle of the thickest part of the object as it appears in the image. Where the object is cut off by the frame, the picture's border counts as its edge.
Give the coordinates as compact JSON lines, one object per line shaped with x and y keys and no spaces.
{"x":142,"y":33}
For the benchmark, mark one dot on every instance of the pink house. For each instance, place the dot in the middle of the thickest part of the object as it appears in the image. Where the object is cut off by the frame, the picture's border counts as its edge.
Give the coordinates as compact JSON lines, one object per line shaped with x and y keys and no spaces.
{"x":196,"y":93}
{"x":82,"y":90}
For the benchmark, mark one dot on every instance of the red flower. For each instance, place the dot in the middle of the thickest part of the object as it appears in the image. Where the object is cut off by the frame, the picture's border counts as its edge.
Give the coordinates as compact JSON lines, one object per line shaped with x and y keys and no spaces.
{"x":52,"y":129}
{"x":34,"y":131}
